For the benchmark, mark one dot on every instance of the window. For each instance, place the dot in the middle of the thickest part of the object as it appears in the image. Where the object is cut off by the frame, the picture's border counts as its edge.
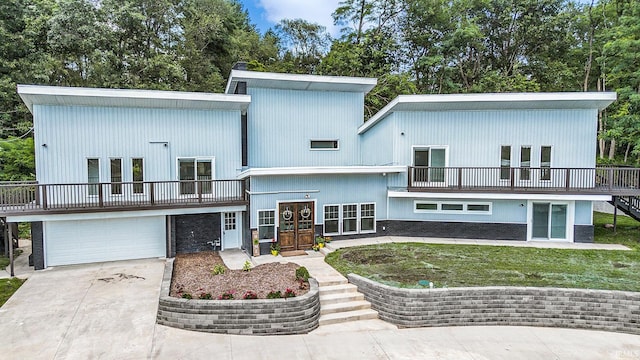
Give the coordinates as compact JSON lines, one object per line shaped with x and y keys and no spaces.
{"x":545,"y":163}
{"x":195,"y":176}
{"x":452,"y":207}
{"x":350,"y":219}
{"x":525,"y":163}
{"x":137,"y":175}
{"x":266,"y":224}
{"x":93,"y":175}
{"x":430,"y":163}
{"x":230,"y":221}
{"x":331,"y":219}
{"x":324,"y":144}
{"x":367,"y":218}
{"x":505,"y":162}
{"x":116,"y":176}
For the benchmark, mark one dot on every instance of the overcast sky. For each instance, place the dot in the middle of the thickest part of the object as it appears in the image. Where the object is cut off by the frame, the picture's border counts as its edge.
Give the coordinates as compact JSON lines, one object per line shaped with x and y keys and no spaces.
{"x":267,"y":13}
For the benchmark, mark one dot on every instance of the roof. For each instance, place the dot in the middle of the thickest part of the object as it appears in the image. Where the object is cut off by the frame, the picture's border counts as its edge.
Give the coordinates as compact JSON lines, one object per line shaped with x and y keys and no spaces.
{"x":59,"y":95}
{"x":495,"y":101}
{"x":299,"y":82}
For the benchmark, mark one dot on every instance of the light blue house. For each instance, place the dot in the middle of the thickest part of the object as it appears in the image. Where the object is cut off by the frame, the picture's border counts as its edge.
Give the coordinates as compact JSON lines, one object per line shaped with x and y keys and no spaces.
{"x":125,"y":174}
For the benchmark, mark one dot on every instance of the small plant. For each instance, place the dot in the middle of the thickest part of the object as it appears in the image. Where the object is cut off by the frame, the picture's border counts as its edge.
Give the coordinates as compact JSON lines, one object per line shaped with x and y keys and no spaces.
{"x":187,"y":296}
{"x":205,"y":296}
{"x":275,"y":249}
{"x":319,"y":241}
{"x":274,"y":295}
{"x":256,"y":242}
{"x":227,"y":295}
{"x":246,"y":266}
{"x":250,"y":295}
{"x":219,"y":269}
{"x":302,"y":274}
{"x":316,"y":248}
{"x":327,"y":239}
{"x":289,"y":293}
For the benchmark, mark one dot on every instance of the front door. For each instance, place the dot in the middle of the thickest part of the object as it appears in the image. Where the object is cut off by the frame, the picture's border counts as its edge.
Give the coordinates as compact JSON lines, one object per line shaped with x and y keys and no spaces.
{"x":296,"y":230}
{"x":231,"y":230}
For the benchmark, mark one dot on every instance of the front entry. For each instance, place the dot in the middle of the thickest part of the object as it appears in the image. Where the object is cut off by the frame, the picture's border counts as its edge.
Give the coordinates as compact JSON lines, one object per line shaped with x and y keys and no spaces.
{"x":231,"y":230}
{"x":296,"y":230}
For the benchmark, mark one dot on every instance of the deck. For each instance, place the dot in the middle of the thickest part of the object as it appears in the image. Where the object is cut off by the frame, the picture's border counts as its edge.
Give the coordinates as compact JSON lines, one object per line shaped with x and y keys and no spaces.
{"x":28,"y":198}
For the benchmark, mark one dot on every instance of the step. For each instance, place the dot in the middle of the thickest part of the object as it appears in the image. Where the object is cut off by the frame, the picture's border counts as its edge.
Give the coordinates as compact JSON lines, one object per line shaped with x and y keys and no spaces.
{"x":336,"y":318}
{"x":326,"y":250}
{"x":340,"y":298}
{"x":344,"y":307}
{"x":338,"y":289}
{"x":331,"y":280}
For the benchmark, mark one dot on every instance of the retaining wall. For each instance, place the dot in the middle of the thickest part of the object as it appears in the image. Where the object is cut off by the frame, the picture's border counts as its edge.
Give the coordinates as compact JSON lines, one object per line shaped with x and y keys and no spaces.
{"x":298,"y":315}
{"x":516,"y":306}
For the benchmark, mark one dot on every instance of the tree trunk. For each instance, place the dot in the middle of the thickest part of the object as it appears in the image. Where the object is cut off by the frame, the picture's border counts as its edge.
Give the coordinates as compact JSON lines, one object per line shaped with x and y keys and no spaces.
{"x":626,"y":153}
{"x":587,"y":66}
{"x":612,"y":149}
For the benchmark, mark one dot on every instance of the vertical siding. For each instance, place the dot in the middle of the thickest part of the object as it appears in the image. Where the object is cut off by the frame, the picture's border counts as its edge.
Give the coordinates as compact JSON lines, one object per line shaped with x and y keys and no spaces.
{"x":378,"y":143}
{"x":584,"y":213}
{"x":503,"y":211}
{"x":282,"y":122}
{"x":474,"y":137}
{"x":331,"y":189}
{"x":74,"y":133}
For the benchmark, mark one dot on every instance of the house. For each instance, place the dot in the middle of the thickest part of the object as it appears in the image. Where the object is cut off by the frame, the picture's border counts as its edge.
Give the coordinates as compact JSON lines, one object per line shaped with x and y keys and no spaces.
{"x":125,"y":174}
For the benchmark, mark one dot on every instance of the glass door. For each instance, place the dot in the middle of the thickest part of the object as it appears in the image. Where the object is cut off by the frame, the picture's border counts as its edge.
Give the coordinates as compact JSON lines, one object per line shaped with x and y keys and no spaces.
{"x":549,"y":221}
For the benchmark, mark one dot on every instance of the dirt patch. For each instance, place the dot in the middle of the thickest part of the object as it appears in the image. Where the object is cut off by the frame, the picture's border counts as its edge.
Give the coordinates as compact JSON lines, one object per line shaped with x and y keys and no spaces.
{"x":192,"y":274}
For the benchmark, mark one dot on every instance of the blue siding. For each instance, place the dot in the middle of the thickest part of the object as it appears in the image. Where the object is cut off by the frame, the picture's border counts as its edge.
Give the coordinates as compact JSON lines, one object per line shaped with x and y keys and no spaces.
{"x":584,"y":213}
{"x":282,"y":123}
{"x":72,"y":134}
{"x":503,"y":211}
{"x":338,"y":189}
{"x":378,"y":143}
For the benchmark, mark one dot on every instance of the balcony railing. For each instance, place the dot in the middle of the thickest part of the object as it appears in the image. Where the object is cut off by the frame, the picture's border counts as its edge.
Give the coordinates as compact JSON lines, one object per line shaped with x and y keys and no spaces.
{"x":601,"y":180}
{"x":27,"y":198}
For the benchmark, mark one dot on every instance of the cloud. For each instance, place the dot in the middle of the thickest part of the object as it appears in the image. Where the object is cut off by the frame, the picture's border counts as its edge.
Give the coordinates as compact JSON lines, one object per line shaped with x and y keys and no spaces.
{"x":315,"y":11}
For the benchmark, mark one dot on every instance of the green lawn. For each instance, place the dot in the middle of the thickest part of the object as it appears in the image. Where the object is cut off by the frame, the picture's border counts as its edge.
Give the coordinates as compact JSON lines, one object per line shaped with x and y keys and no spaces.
{"x":470,"y":265}
{"x":8,"y":287}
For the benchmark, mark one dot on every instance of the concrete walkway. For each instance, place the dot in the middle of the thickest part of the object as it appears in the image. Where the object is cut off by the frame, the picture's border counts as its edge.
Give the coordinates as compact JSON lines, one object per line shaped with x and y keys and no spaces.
{"x":21,"y":268}
{"x":108,"y":310}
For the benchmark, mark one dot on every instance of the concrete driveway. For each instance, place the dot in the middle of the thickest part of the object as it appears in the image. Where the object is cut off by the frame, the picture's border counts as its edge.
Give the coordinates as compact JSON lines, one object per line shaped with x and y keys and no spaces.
{"x":107,"y":311}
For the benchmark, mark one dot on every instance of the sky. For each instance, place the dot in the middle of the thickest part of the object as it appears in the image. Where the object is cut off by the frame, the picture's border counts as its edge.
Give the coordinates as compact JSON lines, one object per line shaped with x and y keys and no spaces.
{"x":267,"y":13}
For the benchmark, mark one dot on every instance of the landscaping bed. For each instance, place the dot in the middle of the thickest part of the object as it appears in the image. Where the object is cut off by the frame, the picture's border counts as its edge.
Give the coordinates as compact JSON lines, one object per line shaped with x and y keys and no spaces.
{"x":193,"y":275}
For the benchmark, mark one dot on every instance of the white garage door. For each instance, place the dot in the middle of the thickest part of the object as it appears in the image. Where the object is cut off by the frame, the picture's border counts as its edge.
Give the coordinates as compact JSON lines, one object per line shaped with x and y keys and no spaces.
{"x":85,"y":241}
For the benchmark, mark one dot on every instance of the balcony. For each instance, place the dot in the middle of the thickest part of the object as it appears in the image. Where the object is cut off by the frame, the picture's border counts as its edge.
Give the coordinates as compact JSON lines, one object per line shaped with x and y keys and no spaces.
{"x":600,"y":180}
{"x":26,"y":198}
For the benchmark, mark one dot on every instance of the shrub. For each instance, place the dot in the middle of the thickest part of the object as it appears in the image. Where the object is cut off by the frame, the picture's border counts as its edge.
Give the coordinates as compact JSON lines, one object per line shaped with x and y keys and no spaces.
{"x":206,"y":296}
{"x":219,"y":269}
{"x":250,"y":295}
{"x":227,"y":295}
{"x":246,"y":266}
{"x":187,"y":296}
{"x":289,"y":293}
{"x":274,"y":295}
{"x":302,"y":274}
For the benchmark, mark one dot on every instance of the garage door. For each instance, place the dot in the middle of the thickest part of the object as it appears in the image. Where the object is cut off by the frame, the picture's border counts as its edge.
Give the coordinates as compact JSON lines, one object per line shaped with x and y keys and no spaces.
{"x":85,"y":241}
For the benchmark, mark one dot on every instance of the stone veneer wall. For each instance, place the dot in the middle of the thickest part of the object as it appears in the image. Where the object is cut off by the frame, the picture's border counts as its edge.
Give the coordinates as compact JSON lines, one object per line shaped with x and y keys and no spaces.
{"x":515,"y":306}
{"x":298,"y":315}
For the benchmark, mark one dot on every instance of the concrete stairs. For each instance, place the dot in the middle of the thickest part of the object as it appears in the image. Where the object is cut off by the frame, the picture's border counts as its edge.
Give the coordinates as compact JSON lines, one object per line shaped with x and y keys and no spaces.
{"x":341,"y":302}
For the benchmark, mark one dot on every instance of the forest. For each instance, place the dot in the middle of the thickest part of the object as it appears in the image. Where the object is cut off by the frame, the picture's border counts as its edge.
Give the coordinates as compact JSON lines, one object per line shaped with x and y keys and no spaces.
{"x":411,"y":46}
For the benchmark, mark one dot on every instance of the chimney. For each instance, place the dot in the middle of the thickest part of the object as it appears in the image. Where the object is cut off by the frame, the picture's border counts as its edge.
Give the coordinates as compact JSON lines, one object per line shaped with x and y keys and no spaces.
{"x":240,"y":65}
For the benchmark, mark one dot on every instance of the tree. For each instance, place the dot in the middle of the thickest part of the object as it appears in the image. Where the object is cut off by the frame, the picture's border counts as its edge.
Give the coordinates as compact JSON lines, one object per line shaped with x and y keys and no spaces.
{"x":305,"y":44}
{"x":17,"y":161}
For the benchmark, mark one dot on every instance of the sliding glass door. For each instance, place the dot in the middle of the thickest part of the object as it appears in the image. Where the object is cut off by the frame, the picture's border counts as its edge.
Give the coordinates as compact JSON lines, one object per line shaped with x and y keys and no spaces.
{"x":549,"y":221}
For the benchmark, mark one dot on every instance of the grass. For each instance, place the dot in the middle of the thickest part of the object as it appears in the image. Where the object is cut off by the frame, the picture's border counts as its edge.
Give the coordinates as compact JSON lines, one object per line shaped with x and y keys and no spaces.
{"x":8,"y":287}
{"x":4,"y":261}
{"x":405,"y":264}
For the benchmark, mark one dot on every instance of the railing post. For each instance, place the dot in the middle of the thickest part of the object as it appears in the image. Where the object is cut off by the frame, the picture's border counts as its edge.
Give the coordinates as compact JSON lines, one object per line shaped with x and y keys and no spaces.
{"x":512,"y":173}
{"x":410,"y":176}
{"x":567,"y":179}
{"x":199,"y":186}
{"x":610,"y":170}
{"x":459,"y":178}
{"x":152,"y":195}
{"x":100,"y":196}
{"x":44,"y":197}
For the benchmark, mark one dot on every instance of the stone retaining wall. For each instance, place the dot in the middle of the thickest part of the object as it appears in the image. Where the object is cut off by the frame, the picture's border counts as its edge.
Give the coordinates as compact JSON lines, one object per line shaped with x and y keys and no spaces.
{"x":298,"y":315}
{"x":516,"y":306}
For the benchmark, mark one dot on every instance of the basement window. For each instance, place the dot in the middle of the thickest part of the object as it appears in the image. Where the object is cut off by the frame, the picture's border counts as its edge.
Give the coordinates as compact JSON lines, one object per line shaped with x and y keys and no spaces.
{"x":324,"y":145}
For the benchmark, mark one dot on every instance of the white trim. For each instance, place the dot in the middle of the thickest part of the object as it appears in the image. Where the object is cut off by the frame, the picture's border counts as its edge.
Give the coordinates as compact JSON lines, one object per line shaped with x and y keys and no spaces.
{"x":275,"y":220}
{"x":357,"y":230}
{"x":324,"y":219}
{"x":280,"y":192}
{"x":446,"y":163}
{"x":299,"y":81}
{"x":124,"y":214}
{"x":375,"y":218}
{"x":320,"y":170}
{"x":494,"y":196}
{"x":464,"y":211}
{"x":570,"y":220}
{"x":82,"y":96}
{"x":496,"y":101}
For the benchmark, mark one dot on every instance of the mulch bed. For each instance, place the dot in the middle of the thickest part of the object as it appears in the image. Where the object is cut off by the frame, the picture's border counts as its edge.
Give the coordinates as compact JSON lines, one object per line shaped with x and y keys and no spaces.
{"x":192,"y":274}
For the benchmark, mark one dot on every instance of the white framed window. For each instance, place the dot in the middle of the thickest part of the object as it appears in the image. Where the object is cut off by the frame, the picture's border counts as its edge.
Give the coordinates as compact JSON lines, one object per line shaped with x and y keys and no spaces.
{"x":331,"y":219}
{"x":505,"y":162}
{"x":545,"y":163}
{"x":350,"y":219}
{"x":230,"y":221}
{"x":525,"y":162}
{"x":452,"y":207}
{"x":195,"y":175}
{"x":367,"y":218}
{"x":115,"y":166}
{"x":430,"y":162}
{"x":93,"y":175}
{"x":332,"y":144}
{"x":137,"y":175}
{"x":550,"y":220}
{"x":266,"y":224}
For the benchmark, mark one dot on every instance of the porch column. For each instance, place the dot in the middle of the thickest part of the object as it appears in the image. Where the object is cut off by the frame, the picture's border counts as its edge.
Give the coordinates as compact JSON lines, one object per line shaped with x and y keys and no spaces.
{"x":10,"y":232}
